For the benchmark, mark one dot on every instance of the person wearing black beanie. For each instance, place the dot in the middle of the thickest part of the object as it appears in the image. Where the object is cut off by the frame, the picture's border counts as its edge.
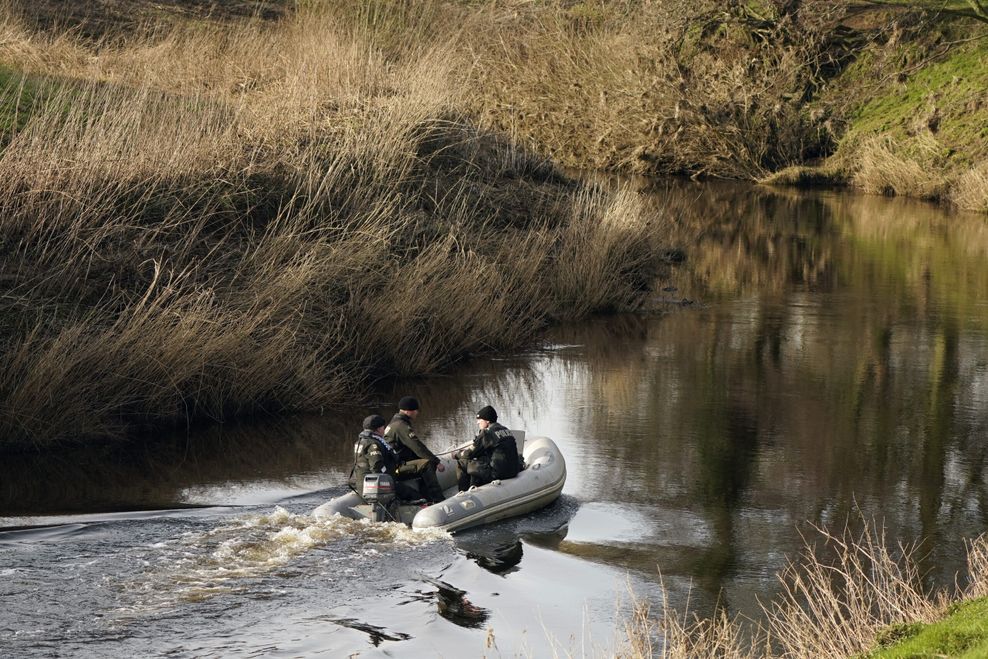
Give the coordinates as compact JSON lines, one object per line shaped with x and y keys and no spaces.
{"x":371,"y":454}
{"x":417,"y":460}
{"x":493,"y":455}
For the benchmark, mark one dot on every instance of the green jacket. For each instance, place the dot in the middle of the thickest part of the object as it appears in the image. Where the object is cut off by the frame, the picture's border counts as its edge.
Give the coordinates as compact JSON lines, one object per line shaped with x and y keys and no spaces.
{"x":371,"y":455}
{"x":404,"y":441}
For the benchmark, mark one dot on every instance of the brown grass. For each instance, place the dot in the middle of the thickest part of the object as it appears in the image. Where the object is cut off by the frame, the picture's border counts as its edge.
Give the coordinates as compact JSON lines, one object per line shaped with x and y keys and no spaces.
{"x":970,"y":192}
{"x":662,"y":87}
{"x":836,"y":607}
{"x":838,"y":599}
{"x":215,"y":220}
{"x":884,"y":169}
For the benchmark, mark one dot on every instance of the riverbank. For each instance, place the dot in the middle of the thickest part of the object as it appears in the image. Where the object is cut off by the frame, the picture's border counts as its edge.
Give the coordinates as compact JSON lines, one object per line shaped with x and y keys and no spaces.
{"x":848,"y":595}
{"x":225,"y":191}
{"x":885,"y":97}
{"x":213,"y":219}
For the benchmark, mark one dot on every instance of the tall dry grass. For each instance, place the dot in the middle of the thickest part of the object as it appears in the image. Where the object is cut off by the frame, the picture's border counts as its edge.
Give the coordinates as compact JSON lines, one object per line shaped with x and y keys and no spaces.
{"x":212,"y":220}
{"x":837,"y":600}
{"x":970,"y":191}
{"x":882,"y":168}
{"x":702,"y":88}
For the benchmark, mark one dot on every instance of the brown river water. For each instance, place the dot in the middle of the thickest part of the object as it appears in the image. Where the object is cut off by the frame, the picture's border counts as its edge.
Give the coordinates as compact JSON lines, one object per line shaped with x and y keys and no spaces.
{"x":833,"y":365}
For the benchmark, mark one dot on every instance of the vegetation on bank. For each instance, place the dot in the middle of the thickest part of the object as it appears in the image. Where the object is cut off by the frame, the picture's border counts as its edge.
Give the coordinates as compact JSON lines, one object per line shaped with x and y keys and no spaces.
{"x":885,"y":96}
{"x":219,"y":218}
{"x":963,"y":633}
{"x":849,"y":595}
{"x":259,"y":206}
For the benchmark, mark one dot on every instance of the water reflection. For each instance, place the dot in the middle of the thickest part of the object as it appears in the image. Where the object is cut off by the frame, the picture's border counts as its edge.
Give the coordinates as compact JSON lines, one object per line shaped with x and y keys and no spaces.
{"x":377,"y":635}
{"x":453,"y":605}
{"x":837,"y":364}
{"x":499,"y":558}
{"x":226,"y":464}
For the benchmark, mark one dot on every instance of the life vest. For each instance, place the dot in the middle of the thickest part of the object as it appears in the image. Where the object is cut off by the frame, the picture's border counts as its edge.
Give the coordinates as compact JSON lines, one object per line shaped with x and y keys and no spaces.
{"x":371,"y":454}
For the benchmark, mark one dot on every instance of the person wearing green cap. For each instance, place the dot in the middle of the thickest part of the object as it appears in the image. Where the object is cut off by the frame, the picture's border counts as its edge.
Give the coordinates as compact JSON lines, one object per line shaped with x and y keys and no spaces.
{"x":417,"y":461}
{"x":493,"y":455}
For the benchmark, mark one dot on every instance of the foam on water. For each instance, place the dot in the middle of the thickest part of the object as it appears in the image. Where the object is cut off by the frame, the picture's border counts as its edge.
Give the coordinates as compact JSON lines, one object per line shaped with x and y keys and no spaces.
{"x":196,"y":567}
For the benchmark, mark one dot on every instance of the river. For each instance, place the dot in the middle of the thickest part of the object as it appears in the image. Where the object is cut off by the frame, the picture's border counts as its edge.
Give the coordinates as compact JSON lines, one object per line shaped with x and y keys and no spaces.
{"x":820,"y":357}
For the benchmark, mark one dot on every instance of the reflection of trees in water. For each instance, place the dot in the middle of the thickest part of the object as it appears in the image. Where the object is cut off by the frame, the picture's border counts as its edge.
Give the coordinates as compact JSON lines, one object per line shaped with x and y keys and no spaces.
{"x":839,"y":383}
{"x":748,"y":239}
{"x":725,"y":467}
{"x":154,"y":474}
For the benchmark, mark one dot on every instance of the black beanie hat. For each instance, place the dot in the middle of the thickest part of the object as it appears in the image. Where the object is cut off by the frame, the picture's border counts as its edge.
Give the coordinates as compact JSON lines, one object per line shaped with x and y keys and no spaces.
{"x":408,"y":403}
{"x":487,"y":413}
{"x":374,"y":421}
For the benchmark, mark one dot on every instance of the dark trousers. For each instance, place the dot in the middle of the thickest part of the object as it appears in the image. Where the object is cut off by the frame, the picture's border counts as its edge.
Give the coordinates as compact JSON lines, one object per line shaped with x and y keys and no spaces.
{"x":472,"y":473}
{"x":422,"y":468}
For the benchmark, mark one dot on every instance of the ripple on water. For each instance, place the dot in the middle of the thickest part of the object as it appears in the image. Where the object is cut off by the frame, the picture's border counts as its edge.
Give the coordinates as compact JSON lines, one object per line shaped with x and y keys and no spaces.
{"x":232,"y":557}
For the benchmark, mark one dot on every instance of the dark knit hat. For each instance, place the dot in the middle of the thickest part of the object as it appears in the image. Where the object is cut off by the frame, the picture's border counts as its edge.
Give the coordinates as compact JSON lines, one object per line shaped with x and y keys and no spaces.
{"x":487,"y":413}
{"x":374,"y":421}
{"x":408,"y":403}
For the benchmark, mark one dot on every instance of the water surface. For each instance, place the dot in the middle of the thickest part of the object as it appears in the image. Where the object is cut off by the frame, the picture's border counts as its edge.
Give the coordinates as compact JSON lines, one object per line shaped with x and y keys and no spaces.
{"x":831,"y":362}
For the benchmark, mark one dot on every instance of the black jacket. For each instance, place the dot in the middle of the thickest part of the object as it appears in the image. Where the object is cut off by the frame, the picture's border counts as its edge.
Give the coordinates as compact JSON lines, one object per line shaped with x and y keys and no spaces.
{"x":497,"y":446}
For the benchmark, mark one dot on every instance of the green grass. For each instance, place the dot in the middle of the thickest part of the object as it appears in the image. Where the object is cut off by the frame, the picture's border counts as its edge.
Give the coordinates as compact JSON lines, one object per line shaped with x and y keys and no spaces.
{"x":18,"y":93}
{"x":962,"y":634}
{"x":952,"y":87}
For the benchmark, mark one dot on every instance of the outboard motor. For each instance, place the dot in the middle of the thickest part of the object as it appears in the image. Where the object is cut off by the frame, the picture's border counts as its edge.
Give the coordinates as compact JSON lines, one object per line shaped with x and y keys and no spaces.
{"x":379,"y":492}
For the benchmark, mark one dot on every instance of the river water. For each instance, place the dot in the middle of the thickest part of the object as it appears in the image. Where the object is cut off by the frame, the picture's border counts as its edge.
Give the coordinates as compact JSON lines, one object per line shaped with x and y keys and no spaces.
{"x":830,"y":363}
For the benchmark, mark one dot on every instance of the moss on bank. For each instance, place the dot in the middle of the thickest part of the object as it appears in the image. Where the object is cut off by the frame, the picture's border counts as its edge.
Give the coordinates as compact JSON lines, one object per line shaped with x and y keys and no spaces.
{"x":962,"y":634}
{"x":916,"y":115}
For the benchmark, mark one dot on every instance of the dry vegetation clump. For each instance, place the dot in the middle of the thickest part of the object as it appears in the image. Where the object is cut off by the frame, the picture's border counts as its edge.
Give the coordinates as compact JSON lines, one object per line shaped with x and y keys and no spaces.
{"x":837,"y":607}
{"x":665,"y":87}
{"x":219,"y":219}
{"x":841,"y":598}
{"x":971,"y":189}
{"x":884,"y":169}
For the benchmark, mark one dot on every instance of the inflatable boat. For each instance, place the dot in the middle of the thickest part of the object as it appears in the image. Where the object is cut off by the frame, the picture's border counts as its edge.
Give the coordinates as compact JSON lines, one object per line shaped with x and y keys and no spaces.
{"x":537,"y":485}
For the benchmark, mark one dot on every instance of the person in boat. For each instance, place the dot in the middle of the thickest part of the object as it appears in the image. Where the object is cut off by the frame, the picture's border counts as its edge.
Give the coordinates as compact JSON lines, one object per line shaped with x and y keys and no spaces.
{"x":493,"y":455}
{"x":372,"y":454}
{"x":417,"y":461}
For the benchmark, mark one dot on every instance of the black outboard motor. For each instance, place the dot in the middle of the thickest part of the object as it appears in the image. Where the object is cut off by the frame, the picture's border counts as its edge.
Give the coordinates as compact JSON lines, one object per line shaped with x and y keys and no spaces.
{"x":379,"y":492}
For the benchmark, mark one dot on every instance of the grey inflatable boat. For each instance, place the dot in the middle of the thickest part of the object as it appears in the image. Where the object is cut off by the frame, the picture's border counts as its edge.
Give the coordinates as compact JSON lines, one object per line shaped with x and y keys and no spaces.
{"x":536,"y":486}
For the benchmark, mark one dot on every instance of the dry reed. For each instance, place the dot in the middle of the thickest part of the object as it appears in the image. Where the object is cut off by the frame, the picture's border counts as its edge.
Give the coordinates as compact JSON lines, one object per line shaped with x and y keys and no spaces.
{"x":660,"y":87}
{"x":838,"y":599}
{"x":970,"y":191}
{"x":837,"y":607}
{"x":213,"y":220}
{"x":884,"y":169}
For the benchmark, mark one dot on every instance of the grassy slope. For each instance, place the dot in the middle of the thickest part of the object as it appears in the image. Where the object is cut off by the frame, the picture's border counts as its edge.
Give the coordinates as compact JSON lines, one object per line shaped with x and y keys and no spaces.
{"x":217,"y":220}
{"x":931,"y":108}
{"x":962,"y":634}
